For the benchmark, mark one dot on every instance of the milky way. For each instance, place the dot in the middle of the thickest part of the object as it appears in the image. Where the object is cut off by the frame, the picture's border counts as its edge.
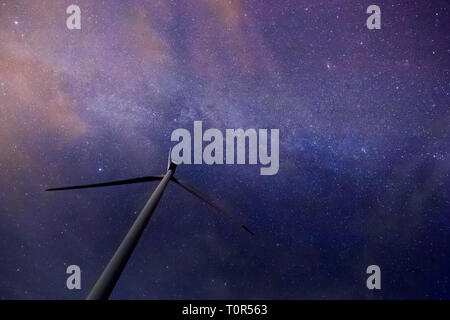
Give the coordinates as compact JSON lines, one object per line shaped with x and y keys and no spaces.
{"x":363,"y":116}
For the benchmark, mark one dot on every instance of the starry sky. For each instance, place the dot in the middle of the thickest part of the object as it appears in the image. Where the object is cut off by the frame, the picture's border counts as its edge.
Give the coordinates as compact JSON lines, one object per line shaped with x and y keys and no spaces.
{"x":364,"y":140}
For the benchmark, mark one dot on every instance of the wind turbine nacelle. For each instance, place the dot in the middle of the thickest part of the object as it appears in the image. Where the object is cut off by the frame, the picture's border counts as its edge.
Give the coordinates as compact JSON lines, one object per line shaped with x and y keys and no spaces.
{"x":171,"y":163}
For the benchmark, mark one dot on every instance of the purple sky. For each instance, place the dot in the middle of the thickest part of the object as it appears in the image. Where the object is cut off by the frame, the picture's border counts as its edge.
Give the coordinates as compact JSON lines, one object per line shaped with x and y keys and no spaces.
{"x":363,"y":117}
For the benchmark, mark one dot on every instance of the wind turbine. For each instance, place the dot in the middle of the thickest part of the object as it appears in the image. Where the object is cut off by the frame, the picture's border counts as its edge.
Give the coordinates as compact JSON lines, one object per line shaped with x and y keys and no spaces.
{"x":108,"y":279}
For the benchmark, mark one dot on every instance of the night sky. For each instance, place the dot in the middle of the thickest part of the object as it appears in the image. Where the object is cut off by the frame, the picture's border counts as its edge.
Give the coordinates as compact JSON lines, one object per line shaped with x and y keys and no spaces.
{"x":364,"y":147}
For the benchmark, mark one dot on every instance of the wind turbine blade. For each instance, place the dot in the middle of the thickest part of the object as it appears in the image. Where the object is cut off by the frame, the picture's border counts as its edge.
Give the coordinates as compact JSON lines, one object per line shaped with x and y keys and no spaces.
{"x":169,"y":160}
{"x":197,"y":194}
{"x":201,"y":197}
{"x":247,"y":229}
{"x":107,"y":184}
